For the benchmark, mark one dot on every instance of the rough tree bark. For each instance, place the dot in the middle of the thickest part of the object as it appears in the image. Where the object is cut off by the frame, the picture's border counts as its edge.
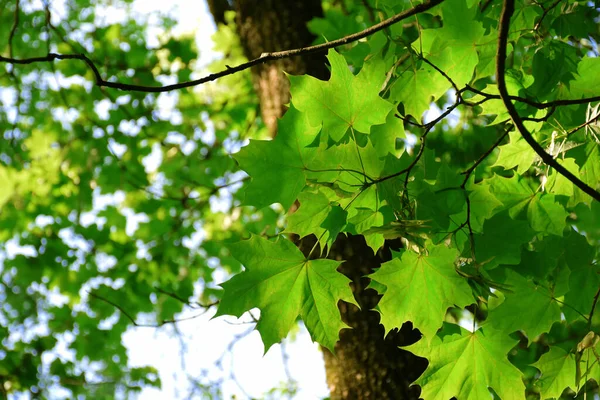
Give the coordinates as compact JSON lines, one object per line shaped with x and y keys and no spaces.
{"x":365,"y":366}
{"x":272,"y":25}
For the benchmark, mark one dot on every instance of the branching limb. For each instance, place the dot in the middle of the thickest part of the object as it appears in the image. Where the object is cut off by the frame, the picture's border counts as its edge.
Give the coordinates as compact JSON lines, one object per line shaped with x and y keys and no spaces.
{"x":143,"y":325}
{"x":538,"y":105}
{"x":545,"y":13}
{"x":191,"y":304}
{"x":507,"y":11}
{"x":265,"y":57}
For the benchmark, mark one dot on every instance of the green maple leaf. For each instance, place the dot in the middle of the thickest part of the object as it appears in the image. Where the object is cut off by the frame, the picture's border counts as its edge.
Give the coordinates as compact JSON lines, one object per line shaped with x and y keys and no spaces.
{"x":501,"y":240}
{"x":345,"y":173}
{"x":278,"y":167}
{"x":585,"y":276}
{"x":420,"y":288}
{"x":588,"y":157}
{"x":317,"y":216}
{"x":284,"y":284}
{"x":483,"y":204}
{"x":547,"y":215}
{"x":548,"y":72}
{"x":517,"y":153}
{"x":530,"y":308}
{"x":487,"y":54}
{"x":417,"y":87}
{"x":543,"y":258}
{"x":514,"y":193}
{"x":559,"y":185}
{"x":362,"y":221}
{"x":558,"y":370}
{"x":385,"y":137}
{"x":586,"y":83}
{"x":466,"y":364}
{"x":452,"y":48}
{"x":543,"y":212}
{"x":345,"y":101}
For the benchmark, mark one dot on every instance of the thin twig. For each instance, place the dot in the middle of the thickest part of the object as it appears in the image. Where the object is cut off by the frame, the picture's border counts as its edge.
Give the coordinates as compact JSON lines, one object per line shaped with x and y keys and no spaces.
{"x":141,"y":325}
{"x":484,"y":6}
{"x":13,"y":30}
{"x":470,"y":170}
{"x":586,"y":123}
{"x":428,"y":127}
{"x":593,"y":309}
{"x":570,"y":306}
{"x":545,"y":13}
{"x":507,"y":11}
{"x":193,"y":304}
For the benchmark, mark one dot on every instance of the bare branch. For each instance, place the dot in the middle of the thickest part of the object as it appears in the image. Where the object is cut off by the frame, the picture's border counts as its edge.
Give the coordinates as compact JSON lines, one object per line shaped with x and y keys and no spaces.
{"x":192,"y":304}
{"x":265,"y":57}
{"x":545,"y":13}
{"x":594,"y":303}
{"x":585,"y":124}
{"x":142,"y":325}
{"x":540,"y":106}
{"x":13,"y":30}
{"x":470,"y":170}
{"x":507,"y":11}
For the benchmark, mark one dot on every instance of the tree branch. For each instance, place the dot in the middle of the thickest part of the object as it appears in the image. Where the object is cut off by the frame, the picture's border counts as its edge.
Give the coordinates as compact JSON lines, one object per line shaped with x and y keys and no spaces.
{"x":507,"y":11}
{"x":142,"y":325}
{"x":545,"y":13}
{"x":13,"y":30}
{"x":470,"y":170}
{"x":539,"y":106}
{"x":265,"y":57}
{"x":594,"y":303}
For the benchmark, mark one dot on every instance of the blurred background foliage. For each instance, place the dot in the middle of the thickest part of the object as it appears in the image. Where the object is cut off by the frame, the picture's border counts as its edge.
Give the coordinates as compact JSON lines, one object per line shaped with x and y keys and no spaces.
{"x":114,"y":206}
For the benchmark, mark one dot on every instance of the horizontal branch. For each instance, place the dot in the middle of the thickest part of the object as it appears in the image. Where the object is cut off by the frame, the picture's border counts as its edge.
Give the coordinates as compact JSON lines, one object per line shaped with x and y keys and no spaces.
{"x":507,"y":12}
{"x":142,"y":325}
{"x":538,"y":105}
{"x":265,"y":57}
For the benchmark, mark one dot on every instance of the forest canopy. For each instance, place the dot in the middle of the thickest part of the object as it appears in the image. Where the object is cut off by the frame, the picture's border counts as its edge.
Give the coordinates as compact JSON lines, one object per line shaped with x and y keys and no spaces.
{"x":454,"y":144}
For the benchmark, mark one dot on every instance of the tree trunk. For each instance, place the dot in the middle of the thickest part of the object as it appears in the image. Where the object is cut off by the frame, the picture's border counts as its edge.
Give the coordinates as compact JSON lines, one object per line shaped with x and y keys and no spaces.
{"x":365,"y":366}
{"x":272,"y":25}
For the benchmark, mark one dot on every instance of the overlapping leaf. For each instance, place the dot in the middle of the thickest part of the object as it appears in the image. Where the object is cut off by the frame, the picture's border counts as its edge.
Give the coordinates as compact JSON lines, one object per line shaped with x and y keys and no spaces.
{"x":529,"y":307}
{"x":466,"y":365}
{"x":420,"y":288}
{"x":518,"y":153}
{"x":317,"y":216}
{"x":453,"y":48}
{"x":345,"y":101}
{"x":584,"y":279}
{"x":278,"y":167}
{"x":558,"y":370}
{"x":501,"y":240}
{"x":543,"y":212}
{"x":284,"y":284}
{"x":588,"y":158}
